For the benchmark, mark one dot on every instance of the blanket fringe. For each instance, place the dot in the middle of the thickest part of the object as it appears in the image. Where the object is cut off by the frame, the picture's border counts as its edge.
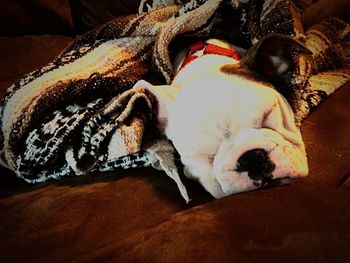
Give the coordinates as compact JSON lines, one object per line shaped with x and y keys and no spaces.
{"x":162,"y":153}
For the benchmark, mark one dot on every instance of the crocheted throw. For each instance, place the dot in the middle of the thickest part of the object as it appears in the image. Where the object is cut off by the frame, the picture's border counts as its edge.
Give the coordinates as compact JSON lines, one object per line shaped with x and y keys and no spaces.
{"x":80,"y":113}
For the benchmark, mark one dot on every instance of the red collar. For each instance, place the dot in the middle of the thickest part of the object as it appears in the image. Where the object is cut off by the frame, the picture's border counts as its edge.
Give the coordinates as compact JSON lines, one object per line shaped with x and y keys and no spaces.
{"x":207,"y":48}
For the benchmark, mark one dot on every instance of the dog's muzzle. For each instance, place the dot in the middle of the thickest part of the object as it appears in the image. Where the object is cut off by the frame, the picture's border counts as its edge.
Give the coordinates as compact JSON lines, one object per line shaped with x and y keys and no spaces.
{"x":258,"y":158}
{"x":258,"y":165}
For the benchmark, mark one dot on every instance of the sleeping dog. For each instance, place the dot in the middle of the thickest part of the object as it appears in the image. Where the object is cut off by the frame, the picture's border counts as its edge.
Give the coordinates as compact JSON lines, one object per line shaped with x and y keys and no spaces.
{"x":234,"y":129}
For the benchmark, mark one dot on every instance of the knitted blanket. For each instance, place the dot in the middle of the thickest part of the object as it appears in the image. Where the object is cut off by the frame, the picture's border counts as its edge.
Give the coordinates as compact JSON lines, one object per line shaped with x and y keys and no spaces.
{"x":80,"y":113}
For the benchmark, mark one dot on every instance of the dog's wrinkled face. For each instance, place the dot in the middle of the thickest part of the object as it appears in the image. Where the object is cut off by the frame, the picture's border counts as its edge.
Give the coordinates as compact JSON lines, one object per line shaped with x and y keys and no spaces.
{"x":233,"y":130}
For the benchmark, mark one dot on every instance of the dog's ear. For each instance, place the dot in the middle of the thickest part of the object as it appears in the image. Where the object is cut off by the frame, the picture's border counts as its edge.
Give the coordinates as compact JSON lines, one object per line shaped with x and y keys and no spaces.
{"x":164,"y":95}
{"x":274,"y":58}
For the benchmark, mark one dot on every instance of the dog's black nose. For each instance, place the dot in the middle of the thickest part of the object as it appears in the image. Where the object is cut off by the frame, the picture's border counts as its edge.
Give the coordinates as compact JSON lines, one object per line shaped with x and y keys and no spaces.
{"x":258,"y":165}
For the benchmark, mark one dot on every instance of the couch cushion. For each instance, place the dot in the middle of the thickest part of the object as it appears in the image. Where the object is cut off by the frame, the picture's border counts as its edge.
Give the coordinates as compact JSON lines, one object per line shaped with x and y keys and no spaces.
{"x":21,"y":55}
{"x":85,"y":212}
{"x":141,"y":218}
{"x":20,"y":17}
{"x":294,"y":224}
{"x":322,"y":9}
{"x":88,"y":14}
{"x":327,"y":139}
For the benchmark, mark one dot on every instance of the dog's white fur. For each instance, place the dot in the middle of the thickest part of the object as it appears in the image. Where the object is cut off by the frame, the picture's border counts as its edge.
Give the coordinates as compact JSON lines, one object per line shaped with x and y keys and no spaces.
{"x":213,"y":117}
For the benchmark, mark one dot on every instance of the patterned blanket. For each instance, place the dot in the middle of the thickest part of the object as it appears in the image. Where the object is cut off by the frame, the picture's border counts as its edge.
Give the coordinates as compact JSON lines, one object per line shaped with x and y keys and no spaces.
{"x":80,"y":113}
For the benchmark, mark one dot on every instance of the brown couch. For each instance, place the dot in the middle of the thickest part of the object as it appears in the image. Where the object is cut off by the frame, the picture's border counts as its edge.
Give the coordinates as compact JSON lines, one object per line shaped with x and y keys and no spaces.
{"x":139,"y":216}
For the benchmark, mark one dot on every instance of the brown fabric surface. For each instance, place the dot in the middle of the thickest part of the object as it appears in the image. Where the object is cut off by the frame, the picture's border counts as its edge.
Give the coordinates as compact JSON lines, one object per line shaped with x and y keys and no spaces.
{"x":326,"y":136}
{"x":298,"y":224}
{"x":84,"y":212}
{"x":22,"y":17}
{"x":322,"y":9}
{"x":21,"y":55}
{"x":88,"y":14}
{"x":102,"y":222}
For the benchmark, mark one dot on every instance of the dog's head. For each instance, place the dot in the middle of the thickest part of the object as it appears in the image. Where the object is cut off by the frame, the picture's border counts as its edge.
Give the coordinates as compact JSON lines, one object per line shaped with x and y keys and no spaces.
{"x":232,"y":124}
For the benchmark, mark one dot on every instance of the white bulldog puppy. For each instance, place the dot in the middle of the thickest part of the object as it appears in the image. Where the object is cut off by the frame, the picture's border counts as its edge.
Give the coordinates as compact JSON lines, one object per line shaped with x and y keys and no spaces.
{"x":233,"y":129}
